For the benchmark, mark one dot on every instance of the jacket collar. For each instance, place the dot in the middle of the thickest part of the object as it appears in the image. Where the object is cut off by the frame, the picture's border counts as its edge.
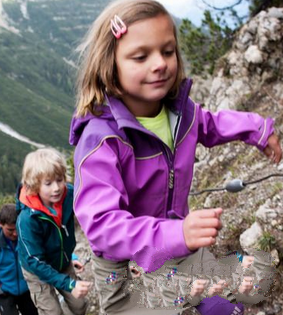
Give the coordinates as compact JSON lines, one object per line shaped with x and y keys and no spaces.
{"x":35,"y":203}
{"x":125,"y":118}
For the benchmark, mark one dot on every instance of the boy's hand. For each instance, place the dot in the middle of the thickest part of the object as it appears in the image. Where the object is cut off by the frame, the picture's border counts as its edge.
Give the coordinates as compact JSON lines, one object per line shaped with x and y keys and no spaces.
{"x":78,"y":266}
{"x":273,"y":149}
{"x":81,"y":289}
{"x":201,"y":227}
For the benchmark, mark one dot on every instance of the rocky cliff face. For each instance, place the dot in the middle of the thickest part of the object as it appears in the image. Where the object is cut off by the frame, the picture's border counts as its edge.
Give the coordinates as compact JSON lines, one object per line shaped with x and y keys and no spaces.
{"x":253,"y":63}
{"x":249,"y":78}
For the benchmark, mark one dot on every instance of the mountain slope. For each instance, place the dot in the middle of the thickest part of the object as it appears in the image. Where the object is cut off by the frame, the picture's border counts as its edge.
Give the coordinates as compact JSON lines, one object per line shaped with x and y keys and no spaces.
{"x":37,"y":71}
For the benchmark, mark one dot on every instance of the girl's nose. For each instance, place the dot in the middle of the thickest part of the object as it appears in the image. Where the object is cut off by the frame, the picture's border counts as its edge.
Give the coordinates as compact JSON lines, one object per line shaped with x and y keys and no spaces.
{"x":159,"y":63}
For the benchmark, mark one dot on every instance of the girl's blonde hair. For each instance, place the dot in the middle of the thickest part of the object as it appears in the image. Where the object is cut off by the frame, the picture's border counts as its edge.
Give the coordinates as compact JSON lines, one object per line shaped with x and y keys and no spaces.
{"x":98,"y":72}
{"x":46,"y":162}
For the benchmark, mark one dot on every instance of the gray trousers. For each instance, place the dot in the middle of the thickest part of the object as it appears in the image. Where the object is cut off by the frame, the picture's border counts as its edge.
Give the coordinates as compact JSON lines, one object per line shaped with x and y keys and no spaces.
{"x":46,"y":299}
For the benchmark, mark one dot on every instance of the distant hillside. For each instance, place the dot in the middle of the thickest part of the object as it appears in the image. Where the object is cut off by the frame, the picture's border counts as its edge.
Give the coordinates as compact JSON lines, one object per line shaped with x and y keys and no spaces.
{"x":37,"y":74}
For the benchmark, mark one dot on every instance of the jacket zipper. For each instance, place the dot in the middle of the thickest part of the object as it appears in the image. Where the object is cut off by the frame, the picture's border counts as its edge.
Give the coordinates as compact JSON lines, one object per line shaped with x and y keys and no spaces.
{"x":61,"y":239}
{"x":65,"y":229}
{"x":170,"y":161}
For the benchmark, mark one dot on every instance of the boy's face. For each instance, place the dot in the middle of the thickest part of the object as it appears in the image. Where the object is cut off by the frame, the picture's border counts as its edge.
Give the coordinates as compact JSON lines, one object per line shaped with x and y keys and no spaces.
{"x":51,"y":190}
{"x":147,"y":64}
{"x":10,"y":232}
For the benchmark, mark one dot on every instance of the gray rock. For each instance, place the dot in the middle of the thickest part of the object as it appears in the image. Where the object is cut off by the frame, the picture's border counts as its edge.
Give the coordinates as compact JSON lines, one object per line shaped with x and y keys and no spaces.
{"x":275,"y":12}
{"x":254,"y":55}
{"x":266,"y":215}
{"x":249,"y":238}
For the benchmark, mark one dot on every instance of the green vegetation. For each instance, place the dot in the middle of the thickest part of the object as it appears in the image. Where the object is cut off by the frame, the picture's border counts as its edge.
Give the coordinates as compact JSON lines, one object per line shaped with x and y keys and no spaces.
{"x":11,"y":160}
{"x":267,"y":242}
{"x":203,"y":46}
{"x":32,"y":115}
{"x":6,"y":199}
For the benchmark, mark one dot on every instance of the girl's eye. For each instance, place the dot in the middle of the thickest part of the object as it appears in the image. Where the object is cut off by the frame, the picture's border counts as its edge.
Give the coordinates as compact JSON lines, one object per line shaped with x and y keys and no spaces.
{"x":139,"y":58}
{"x":47,"y":183}
{"x":169,"y":52}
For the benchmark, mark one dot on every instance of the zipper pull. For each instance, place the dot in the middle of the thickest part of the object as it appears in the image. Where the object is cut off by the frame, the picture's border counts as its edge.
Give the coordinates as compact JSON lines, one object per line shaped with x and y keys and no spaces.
{"x":65,"y":229}
{"x":171,"y":179}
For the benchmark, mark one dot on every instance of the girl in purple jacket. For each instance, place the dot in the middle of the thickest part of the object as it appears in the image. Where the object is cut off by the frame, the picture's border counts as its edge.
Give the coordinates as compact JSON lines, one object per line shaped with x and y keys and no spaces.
{"x":136,"y":131}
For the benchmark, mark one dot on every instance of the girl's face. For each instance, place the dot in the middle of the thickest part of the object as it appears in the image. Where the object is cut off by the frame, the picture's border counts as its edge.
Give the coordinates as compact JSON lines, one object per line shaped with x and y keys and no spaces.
{"x":147,"y":64}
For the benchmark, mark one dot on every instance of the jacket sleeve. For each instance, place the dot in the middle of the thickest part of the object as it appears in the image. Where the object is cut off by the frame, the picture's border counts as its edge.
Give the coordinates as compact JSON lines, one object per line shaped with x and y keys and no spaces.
{"x":32,"y":255}
{"x":102,"y":208}
{"x":228,"y":125}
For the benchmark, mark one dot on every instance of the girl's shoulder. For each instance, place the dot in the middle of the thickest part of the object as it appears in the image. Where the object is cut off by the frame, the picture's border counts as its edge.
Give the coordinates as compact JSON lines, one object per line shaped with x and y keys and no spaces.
{"x":92,"y":129}
{"x":97,"y":131}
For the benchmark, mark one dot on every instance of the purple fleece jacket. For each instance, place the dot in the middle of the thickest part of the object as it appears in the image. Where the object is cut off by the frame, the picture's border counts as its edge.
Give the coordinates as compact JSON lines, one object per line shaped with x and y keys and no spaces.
{"x":131,"y":190}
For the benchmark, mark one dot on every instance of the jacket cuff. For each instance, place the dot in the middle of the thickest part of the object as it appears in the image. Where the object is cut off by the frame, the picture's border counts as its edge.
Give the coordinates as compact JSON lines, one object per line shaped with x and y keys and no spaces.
{"x":268,"y":130}
{"x":151,"y":258}
{"x":72,"y":285}
{"x":175,"y":240}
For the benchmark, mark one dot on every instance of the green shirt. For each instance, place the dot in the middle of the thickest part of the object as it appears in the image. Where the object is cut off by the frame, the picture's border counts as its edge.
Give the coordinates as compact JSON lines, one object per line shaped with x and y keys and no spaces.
{"x":160,"y":126}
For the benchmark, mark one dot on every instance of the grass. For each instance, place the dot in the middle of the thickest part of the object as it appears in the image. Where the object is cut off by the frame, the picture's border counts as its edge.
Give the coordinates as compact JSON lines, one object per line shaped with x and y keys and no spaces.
{"x":267,"y":242}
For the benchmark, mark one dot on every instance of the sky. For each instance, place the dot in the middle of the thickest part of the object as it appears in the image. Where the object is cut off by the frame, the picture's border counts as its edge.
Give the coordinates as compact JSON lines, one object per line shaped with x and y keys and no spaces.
{"x":193,"y":9}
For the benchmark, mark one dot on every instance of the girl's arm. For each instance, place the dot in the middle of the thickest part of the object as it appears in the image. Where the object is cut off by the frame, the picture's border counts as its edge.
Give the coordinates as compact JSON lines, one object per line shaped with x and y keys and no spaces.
{"x":228,"y":125}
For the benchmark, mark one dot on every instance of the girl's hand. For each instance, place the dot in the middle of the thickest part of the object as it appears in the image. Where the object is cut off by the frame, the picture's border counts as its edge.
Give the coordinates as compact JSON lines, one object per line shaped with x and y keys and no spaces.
{"x":217,"y":288}
{"x":247,"y":285}
{"x":201,"y":227}
{"x":247,"y":261}
{"x":78,"y":266}
{"x":198,"y":287}
{"x":81,"y":289}
{"x":273,"y":149}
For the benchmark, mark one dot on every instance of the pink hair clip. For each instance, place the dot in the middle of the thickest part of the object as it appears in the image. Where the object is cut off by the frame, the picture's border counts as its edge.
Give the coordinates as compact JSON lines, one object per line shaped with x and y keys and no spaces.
{"x":118,"y":27}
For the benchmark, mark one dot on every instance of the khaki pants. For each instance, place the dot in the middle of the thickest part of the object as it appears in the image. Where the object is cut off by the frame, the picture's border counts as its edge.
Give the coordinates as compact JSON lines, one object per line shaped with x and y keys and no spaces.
{"x":115,"y":293}
{"x":45,"y":297}
{"x":158,"y":294}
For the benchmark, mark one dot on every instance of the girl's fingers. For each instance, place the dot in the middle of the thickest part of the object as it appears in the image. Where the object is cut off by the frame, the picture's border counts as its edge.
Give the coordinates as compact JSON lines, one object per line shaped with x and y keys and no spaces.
{"x":205,"y":241}
{"x":209,"y":213}
{"x":207,"y":223}
{"x":206,"y":232}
